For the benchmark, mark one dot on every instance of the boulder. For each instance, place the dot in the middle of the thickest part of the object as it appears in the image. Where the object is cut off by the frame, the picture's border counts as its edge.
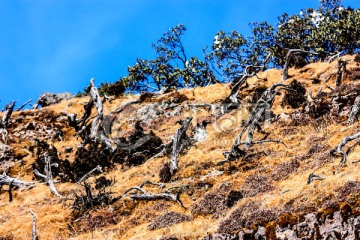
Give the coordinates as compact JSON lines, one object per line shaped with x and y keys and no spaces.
{"x":7,"y":157}
{"x":47,"y":99}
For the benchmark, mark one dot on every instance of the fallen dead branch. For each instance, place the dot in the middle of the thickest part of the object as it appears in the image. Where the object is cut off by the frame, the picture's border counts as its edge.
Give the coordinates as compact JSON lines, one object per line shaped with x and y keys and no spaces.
{"x":138,"y":193}
{"x":231,"y":101}
{"x":312,"y":177}
{"x":331,"y":58}
{"x":48,"y":175}
{"x":7,"y":180}
{"x":4,"y":133}
{"x":339,"y":150}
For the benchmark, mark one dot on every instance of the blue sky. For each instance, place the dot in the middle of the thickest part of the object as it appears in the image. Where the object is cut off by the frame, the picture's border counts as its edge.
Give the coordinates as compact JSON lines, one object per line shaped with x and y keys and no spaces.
{"x":57,"y":46}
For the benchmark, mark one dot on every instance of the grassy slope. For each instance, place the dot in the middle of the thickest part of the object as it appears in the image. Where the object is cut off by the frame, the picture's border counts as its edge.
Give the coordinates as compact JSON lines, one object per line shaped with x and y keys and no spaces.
{"x":196,"y":165}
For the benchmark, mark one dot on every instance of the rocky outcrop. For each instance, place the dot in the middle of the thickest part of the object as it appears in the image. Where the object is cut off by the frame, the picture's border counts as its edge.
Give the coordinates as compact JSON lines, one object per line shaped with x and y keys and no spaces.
{"x":334,"y":226}
{"x":33,"y":130}
{"x":47,"y":99}
{"x":6,"y":157}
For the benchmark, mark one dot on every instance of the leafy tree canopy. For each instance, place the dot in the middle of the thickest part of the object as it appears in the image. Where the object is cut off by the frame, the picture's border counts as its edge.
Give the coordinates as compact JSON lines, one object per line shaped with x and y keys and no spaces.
{"x":327,"y":30}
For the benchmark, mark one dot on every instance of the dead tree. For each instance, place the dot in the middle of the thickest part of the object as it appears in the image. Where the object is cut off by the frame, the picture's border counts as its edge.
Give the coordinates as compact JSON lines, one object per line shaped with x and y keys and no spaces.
{"x":7,"y":180}
{"x":341,"y":69}
{"x":34,"y":232}
{"x":179,"y":142}
{"x":138,"y":193}
{"x":260,"y":113}
{"x":9,"y":108}
{"x":95,"y":96}
{"x":339,"y":150}
{"x":96,"y":132}
{"x":289,"y":55}
{"x":231,"y":101}
{"x":354,"y":110}
{"x":48,"y":174}
{"x":22,"y":106}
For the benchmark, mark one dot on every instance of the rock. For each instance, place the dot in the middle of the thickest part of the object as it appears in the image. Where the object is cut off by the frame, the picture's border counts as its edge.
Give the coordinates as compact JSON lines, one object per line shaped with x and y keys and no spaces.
{"x":47,"y":99}
{"x":222,"y":236}
{"x":151,"y":112}
{"x":260,"y":234}
{"x":284,"y":118}
{"x":7,"y":157}
{"x":6,"y":153}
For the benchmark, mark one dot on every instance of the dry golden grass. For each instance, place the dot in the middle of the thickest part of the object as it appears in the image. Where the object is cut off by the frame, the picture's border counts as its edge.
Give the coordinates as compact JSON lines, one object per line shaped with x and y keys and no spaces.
{"x":197,"y":164}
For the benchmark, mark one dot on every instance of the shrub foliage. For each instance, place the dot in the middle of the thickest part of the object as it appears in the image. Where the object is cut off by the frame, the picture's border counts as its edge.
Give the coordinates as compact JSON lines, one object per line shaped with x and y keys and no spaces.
{"x":327,"y":30}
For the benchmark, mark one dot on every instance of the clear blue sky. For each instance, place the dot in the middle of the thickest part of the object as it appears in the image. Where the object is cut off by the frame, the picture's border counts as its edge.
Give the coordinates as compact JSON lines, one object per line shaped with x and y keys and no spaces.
{"x":57,"y":46}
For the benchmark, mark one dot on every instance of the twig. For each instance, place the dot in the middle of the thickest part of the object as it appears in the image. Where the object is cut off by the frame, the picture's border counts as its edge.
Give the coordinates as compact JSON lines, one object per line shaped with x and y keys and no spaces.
{"x":141,"y":194}
{"x":22,"y":106}
{"x":97,"y":168}
{"x":312,"y":177}
{"x":122,"y":107}
{"x":339,"y":150}
{"x":34,"y":233}
{"x":291,"y":53}
{"x":328,"y":86}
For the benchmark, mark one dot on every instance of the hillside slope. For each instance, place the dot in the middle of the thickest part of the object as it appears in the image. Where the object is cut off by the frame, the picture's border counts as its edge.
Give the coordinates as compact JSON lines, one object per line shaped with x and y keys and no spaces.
{"x":264,"y":193}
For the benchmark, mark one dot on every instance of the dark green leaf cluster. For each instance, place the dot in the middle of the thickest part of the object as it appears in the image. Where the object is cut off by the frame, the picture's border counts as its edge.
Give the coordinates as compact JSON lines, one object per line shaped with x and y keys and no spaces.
{"x":170,"y":69}
{"x":110,"y":89}
{"x":327,"y":30}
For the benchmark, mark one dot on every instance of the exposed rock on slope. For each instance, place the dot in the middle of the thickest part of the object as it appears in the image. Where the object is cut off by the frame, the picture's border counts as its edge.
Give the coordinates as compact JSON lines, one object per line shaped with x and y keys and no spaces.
{"x":105,"y":163}
{"x":47,"y":99}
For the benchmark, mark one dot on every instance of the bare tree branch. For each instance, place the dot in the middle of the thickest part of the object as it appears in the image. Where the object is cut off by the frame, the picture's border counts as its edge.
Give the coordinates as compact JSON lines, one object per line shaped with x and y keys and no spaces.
{"x":179,"y":142}
{"x":291,"y":53}
{"x":336,"y":55}
{"x":97,"y":168}
{"x":34,"y":233}
{"x":339,"y":150}
{"x":354,"y":110}
{"x":9,"y":110}
{"x":48,"y":175}
{"x":122,"y":107}
{"x":138,"y":193}
{"x":22,"y":106}
{"x":259,"y":114}
{"x":96,"y":131}
{"x":312,"y":177}
{"x":7,"y":180}
{"x":4,"y":134}
{"x":341,"y":70}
